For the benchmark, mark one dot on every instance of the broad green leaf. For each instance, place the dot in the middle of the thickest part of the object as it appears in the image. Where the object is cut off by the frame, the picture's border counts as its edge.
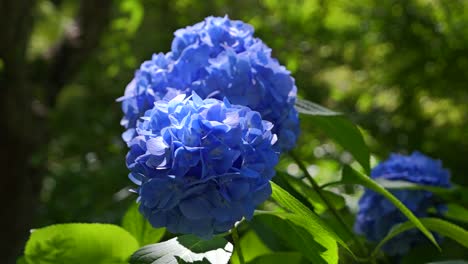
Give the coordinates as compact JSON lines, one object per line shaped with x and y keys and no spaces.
{"x":185,"y":249}
{"x":406,"y":185}
{"x":456,"y":194}
{"x":345,"y":133}
{"x":80,"y":243}
{"x":281,"y":179}
{"x":304,"y":215}
{"x":252,"y":246}
{"x":339,"y":128}
{"x":312,"y":196}
{"x":457,"y":212}
{"x":349,"y":175}
{"x":279,"y":258}
{"x":337,"y":226}
{"x":271,"y":240}
{"x":310,"y":108}
{"x":440,"y":226}
{"x":296,"y":231}
{"x":140,"y":228}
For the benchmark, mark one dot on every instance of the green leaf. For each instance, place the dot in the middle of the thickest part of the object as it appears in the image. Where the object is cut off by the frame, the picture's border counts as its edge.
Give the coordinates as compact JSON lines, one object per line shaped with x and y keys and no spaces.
{"x":349,"y":175}
{"x":298,"y":233}
{"x":79,"y":243}
{"x":339,"y":128}
{"x":270,"y":239}
{"x":252,"y":246}
{"x":185,"y":249}
{"x":279,"y":258}
{"x":458,"y":195}
{"x":140,"y":228}
{"x":457,"y":212}
{"x":437,"y":225}
{"x":305,"y":216}
{"x":313,"y":198}
{"x":406,"y":185}
{"x":310,"y":108}
{"x":461,"y":195}
{"x":281,"y":179}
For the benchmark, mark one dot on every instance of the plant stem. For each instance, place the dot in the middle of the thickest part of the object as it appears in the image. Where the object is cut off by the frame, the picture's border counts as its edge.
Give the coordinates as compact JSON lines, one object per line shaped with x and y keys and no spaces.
{"x":262,"y":212}
{"x":329,"y":184}
{"x":235,"y":238}
{"x":332,"y":209}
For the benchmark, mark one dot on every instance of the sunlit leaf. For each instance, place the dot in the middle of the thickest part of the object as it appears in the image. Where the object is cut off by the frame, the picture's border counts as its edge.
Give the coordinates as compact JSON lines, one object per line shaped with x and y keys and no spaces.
{"x":281,"y":179}
{"x":311,"y":108}
{"x":301,"y":235}
{"x":303,"y":216}
{"x":80,"y":243}
{"x":406,"y":185}
{"x":140,"y":228}
{"x":252,"y":246}
{"x":185,"y":249}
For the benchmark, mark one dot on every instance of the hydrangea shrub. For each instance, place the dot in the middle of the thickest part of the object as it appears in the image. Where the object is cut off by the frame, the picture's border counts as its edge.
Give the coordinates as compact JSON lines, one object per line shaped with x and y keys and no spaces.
{"x":377,"y":215}
{"x":205,"y":125}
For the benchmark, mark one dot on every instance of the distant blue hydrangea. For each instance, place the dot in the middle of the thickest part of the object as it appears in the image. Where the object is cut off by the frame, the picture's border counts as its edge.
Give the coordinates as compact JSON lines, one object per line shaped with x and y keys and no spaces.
{"x":377,"y":215}
{"x":217,"y":58}
{"x":201,"y":165}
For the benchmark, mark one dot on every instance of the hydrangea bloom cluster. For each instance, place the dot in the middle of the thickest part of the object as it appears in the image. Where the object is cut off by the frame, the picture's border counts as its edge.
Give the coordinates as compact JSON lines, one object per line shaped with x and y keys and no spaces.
{"x":150,"y":84}
{"x":201,"y":165}
{"x":377,"y":215}
{"x":217,"y":58}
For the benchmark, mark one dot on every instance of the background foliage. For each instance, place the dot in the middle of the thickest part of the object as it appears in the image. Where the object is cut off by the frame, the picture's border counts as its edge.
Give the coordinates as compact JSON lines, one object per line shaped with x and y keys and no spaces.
{"x":396,"y":68}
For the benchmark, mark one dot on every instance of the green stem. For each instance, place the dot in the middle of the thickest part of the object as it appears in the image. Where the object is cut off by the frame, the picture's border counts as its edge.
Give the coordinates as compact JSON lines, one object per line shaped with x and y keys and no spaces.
{"x":225,"y":234}
{"x":329,"y":184}
{"x":262,"y":212}
{"x":329,"y":205}
{"x":235,"y":238}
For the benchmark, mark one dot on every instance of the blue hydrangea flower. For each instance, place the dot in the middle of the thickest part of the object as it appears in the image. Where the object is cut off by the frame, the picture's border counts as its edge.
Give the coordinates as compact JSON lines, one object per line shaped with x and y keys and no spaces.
{"x":152,"y":82}
{"x":201,"y":165}
{"x":377,"y":215}
{"x":218,"y":58}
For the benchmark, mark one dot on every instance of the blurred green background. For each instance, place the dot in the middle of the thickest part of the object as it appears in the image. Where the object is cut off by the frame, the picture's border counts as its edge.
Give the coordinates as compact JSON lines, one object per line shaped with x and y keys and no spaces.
{"x":396,"y":68}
